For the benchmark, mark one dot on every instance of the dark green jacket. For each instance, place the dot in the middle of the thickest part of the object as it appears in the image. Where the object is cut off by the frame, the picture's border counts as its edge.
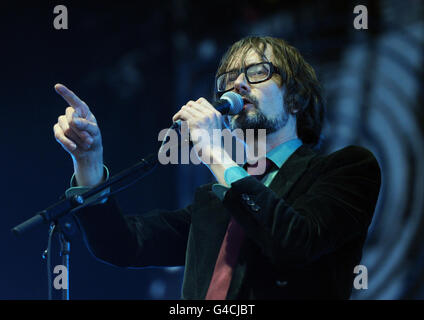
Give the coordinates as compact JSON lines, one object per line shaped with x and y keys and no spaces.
{"x":304,"y":234}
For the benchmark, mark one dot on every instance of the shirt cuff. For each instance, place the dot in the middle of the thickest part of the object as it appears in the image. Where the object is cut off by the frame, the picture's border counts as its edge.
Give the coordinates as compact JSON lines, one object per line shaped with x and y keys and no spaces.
{"x":78,"y":190}
{"x":234,"y":174}
{"x":231,"y":175}
{"x":220,"y":190}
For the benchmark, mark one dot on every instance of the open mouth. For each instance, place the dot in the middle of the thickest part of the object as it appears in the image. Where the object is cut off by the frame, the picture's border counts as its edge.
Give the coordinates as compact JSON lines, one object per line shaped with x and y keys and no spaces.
{"x":246,"y":102}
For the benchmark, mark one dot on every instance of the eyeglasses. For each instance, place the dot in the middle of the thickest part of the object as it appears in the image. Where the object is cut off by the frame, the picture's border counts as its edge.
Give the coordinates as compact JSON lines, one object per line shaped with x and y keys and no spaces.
{"x":255,"y":73}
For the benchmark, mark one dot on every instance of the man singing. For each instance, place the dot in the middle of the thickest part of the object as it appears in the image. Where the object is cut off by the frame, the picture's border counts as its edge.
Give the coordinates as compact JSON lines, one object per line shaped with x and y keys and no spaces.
{"x":295,"y":232}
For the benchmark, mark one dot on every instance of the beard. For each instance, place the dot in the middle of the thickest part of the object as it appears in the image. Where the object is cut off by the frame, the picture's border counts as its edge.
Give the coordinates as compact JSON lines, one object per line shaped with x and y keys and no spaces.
{"x":256,"y":119}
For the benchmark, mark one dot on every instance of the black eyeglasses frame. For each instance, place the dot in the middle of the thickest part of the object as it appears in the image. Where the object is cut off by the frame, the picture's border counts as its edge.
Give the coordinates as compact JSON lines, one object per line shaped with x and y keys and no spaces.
{"x":272,"y":69}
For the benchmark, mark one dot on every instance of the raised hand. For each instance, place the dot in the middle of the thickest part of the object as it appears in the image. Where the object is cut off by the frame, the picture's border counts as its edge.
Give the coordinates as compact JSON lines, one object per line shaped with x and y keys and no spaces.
{"x":78,"y":133}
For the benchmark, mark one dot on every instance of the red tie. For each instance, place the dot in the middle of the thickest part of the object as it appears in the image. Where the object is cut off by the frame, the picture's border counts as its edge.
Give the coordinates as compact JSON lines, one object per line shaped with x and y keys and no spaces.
{"x":230,"y":248}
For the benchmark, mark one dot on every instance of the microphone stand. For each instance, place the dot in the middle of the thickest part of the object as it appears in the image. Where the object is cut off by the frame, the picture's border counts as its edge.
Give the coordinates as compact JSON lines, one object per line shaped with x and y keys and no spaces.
{"x":63,"y":208}
{"x":65,"y":252}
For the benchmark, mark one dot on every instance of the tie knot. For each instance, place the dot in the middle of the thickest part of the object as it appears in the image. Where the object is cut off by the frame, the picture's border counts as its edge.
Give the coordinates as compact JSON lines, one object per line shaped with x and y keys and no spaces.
{"x":259,"y":168}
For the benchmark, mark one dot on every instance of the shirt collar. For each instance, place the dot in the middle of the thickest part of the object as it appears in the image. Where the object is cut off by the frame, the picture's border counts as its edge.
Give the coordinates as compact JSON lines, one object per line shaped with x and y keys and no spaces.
{"x":282,"y":152}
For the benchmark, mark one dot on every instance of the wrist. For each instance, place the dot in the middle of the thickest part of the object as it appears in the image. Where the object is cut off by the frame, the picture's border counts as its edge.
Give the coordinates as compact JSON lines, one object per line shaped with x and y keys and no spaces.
{"x":89,"y":173}
{"x":218,"y":161}
{"x":215,"y":155}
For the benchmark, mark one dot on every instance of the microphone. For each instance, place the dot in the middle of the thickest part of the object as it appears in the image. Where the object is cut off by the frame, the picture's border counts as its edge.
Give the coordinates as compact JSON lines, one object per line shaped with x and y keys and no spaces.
{"x":230,"y":103}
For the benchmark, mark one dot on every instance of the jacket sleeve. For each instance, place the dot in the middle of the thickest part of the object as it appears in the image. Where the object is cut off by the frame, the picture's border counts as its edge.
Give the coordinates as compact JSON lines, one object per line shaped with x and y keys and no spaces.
{"x":156,"y":238}
{"x":337,"y":207}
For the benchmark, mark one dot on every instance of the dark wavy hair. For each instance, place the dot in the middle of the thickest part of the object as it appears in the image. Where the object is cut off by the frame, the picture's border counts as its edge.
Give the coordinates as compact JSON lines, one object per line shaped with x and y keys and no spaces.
{"x":303,"y":94}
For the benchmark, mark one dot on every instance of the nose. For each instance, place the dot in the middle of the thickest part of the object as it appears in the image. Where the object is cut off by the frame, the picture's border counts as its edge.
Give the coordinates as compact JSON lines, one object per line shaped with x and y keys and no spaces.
{"x":241,"y":86}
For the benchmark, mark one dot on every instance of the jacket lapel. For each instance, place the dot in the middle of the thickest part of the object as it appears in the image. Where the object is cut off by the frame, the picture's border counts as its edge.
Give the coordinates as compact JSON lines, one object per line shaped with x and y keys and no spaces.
{"x":291,"y":171}
{"x":287,"y":176}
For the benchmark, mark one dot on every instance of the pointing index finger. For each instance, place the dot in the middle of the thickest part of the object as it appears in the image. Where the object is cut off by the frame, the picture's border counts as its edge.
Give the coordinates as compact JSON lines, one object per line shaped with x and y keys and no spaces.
{"x":72,"y":99}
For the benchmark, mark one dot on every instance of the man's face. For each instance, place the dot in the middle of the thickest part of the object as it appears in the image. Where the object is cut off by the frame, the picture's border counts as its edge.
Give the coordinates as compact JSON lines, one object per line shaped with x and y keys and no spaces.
{"x":264,"y":108}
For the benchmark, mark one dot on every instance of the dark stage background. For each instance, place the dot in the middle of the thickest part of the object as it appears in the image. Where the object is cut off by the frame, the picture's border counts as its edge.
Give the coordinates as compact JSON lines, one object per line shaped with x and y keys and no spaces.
{"x":136,"y":63}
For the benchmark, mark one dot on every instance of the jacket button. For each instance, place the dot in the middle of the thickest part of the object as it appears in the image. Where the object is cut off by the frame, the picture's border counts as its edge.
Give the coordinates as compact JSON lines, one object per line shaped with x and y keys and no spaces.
{"x":255,"y":208}
{"x":281,"y":283}
{"x":245,"y":197}
{"x":250,"y":202}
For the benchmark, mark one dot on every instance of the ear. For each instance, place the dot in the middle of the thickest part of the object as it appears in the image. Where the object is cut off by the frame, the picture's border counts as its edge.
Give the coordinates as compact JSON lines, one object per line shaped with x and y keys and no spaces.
{"x":297,"y":97}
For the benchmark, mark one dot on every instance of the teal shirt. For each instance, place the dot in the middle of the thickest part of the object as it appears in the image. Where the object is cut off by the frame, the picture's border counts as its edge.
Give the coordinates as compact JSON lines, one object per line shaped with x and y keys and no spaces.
{"x":278,"y":156}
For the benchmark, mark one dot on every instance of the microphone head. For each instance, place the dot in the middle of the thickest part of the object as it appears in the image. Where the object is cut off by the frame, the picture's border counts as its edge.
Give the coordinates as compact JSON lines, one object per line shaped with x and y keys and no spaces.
{"x":235,"y":100}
